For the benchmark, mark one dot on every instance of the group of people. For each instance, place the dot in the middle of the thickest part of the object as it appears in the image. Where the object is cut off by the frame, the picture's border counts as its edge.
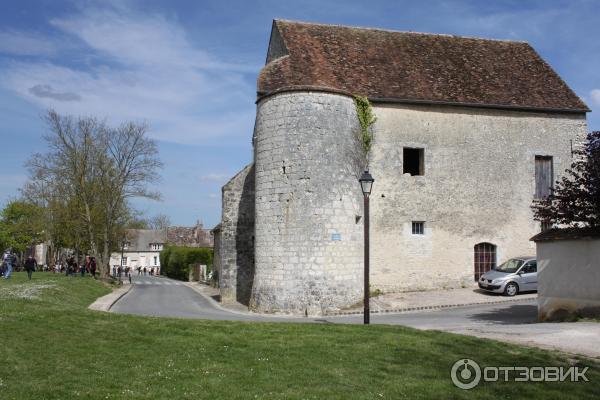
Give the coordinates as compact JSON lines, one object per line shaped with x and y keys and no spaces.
{"x":72,"y":267}
{"x":9,"y":262}
{"x":145,"y":271}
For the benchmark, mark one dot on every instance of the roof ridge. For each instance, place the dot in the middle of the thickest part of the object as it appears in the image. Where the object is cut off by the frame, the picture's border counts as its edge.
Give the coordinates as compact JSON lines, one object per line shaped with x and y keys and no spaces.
{"x":399,"y":31}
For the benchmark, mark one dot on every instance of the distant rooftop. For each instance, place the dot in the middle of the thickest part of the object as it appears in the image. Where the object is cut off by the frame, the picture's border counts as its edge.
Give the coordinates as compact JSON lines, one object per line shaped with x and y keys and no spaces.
{"x":413,"y":67}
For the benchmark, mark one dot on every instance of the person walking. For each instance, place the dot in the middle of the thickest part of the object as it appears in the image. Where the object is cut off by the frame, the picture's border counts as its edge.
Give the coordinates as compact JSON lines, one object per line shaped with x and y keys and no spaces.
{"x":70,"y":267}
{"x":30,"y":265}
{"x":9,"y":260}
{"x":87,"y":262}
{"x":93,"y":266}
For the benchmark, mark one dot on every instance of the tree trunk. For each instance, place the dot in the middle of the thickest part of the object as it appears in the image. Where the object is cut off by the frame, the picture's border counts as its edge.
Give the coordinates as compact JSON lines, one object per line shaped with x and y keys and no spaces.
{"x":105,"y":258}
{"x":90,"y":232}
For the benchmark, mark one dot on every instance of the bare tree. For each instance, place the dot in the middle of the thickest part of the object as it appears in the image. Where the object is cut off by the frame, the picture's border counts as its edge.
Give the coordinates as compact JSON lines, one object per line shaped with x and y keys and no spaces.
{"x":159,"y":222}
{"x":94,"y":170}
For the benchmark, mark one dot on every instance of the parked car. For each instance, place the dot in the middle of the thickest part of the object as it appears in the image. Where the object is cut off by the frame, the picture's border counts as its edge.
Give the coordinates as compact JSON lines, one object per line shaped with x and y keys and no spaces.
{"x":516,"y":275}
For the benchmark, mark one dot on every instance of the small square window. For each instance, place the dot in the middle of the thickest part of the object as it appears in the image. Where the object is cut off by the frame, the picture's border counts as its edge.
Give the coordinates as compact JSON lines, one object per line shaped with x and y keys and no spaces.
{"x":418,"y":228}
{"x":413,"y":161}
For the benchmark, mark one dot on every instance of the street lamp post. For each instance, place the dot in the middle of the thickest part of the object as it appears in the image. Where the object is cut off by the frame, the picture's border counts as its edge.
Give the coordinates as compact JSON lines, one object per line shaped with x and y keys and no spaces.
{"x":123,"y":242}
{"x":366,"y":184}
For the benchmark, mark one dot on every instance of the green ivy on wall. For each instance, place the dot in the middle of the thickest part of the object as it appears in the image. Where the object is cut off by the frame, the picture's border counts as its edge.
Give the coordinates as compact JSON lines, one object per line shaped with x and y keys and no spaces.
{"x":366,"y":118}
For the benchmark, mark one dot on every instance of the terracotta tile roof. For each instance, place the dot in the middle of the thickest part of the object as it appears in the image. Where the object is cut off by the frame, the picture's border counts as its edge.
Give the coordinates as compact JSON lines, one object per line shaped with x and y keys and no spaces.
{"x":195,"y":236}
{"x":412,"y":67}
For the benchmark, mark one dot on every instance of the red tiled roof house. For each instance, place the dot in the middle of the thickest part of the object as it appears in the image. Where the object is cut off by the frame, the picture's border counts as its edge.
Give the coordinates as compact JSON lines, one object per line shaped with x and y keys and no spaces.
{"x":468,"y":132}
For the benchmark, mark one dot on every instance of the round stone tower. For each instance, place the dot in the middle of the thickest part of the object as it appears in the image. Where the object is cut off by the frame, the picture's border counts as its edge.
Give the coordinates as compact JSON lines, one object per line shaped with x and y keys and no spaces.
{"x":308,"y":232}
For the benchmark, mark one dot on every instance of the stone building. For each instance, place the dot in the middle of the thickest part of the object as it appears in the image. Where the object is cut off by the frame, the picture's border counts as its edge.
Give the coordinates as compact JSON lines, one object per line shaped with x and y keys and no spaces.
{"x":194,"y":236}
{"x":468,"y":132}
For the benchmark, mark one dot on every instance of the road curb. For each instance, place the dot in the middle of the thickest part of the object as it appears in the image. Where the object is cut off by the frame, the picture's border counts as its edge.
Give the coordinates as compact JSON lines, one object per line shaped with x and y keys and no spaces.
{"x":357,"y":312}
{"x":425,"y":308}
{"x":105,"y":303}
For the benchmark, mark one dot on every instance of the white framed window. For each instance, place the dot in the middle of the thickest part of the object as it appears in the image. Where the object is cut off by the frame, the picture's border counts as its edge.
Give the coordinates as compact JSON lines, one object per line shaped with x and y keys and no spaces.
{"x":155,"y":260}
{"x":418,"y":227}
{"x":156,"y":246}
{"x":123,"y":261}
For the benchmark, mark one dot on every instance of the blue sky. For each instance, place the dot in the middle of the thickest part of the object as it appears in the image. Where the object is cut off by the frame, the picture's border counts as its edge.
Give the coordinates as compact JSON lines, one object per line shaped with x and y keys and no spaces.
{"x":189,"y":68}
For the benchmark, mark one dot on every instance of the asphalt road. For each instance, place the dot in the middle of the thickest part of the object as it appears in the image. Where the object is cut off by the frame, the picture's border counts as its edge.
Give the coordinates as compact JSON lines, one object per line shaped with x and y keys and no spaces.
{"x":513,"y":322}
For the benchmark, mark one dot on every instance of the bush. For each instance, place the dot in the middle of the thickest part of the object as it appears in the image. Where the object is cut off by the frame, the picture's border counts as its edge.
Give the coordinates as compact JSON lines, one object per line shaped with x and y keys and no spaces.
{"x":175,"y":261}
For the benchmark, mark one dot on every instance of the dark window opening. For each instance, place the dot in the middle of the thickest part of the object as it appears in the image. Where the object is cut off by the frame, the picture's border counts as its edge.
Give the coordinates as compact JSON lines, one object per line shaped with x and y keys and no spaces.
{"x":414,"y":161}
{"x":418,"y":228}
{"x":544,"y":176}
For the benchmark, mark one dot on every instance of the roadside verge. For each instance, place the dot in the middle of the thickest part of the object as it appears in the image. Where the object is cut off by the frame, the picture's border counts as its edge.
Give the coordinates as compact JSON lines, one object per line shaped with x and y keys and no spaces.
{"x":104,"y":303}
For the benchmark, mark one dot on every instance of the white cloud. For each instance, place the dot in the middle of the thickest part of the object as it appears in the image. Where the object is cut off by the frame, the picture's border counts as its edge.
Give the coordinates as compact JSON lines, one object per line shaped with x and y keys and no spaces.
{"x":140,"y":67}
{"x":595,"y":96}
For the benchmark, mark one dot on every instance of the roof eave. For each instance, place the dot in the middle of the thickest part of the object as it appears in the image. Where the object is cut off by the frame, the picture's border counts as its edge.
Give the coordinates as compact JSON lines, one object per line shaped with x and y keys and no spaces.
{"x":262,"y":95}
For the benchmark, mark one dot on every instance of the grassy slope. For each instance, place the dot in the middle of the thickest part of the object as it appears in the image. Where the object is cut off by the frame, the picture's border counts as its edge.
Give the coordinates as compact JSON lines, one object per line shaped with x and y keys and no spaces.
{"x":54,"y":348}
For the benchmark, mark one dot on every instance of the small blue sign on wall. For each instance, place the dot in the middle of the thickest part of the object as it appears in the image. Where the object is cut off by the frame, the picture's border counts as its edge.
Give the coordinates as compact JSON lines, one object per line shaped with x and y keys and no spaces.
{"x":336,"y":236}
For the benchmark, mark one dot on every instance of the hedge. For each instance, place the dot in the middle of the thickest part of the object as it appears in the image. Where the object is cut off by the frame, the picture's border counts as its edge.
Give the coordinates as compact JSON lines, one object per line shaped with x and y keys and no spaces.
{"x":175,"y":261}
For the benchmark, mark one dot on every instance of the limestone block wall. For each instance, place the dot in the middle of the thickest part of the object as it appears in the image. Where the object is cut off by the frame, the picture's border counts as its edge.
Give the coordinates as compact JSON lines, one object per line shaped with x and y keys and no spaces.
{"x":308,"y":204}
{"x":478,"y":185}
{"x":236,"y":238}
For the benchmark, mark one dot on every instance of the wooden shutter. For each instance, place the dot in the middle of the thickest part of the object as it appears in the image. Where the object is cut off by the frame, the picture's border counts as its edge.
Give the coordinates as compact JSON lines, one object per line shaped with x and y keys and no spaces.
{"x":544,"y":176}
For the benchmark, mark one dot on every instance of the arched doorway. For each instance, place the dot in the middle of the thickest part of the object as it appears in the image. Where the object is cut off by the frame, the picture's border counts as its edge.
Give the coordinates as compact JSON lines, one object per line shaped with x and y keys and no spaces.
{"x":484,"y":258}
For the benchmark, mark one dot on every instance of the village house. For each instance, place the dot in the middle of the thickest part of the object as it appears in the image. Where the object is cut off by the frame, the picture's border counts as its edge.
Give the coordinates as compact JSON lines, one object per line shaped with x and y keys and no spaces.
{"x":469,"y":131}
{"x":142,"y":247}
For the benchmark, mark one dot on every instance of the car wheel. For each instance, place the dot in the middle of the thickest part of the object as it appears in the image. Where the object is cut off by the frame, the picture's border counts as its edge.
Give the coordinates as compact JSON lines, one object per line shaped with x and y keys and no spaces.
{"x":511,"y":289}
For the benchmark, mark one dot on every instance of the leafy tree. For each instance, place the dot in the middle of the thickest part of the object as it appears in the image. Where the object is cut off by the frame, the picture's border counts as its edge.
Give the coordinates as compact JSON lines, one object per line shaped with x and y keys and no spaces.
{"x":575,"y":201}
{"x":20,"y":226}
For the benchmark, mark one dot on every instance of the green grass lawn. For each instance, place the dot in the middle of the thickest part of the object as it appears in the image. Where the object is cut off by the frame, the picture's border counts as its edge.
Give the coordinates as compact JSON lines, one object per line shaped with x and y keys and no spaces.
{"x":53,"y":347}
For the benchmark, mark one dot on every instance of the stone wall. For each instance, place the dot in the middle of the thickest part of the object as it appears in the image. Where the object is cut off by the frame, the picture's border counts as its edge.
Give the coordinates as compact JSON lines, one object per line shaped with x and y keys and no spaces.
{"x":478,"y":186}
{"x":236,"y":241}
{"x":308,"y":204}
